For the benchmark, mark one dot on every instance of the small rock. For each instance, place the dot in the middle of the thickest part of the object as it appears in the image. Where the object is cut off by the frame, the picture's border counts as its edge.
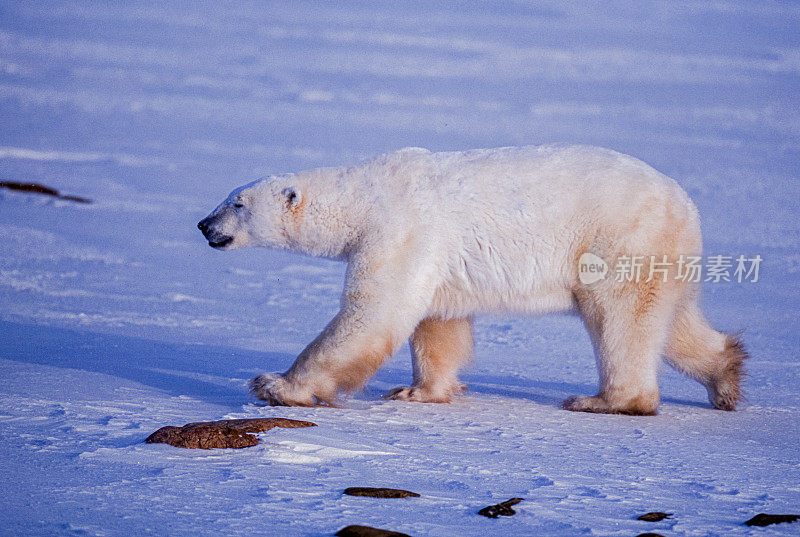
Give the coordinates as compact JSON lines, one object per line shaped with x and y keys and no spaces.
{"x":373,"y":492}
{"x":655,"y":516}
{"x":221,"y":433}
{"x":763,"y":519}
{"x":366,"y":531}
{"x":503,"y":508}
{"x":649,"y":535}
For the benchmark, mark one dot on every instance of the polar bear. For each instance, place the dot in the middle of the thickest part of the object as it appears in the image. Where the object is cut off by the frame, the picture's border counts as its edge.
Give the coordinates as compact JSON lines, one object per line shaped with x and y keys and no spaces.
{"x":432,"y":239}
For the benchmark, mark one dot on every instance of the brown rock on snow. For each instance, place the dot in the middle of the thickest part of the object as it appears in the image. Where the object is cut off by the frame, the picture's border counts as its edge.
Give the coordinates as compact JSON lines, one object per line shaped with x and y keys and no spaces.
{"x":763,"y":519}
{"x":366,"y":531}
{"x":655,"y":516}
{"x":380,"y":492}
{"x":221,"y":433}
{"x":502,"y":508}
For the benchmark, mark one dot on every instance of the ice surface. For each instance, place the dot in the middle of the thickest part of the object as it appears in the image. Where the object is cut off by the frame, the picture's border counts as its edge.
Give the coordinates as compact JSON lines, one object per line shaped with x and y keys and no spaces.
{"x":116,"y":318}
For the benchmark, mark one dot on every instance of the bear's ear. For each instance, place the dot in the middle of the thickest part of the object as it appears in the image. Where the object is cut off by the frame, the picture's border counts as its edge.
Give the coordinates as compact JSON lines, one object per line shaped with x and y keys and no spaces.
{"x":293,"y":196}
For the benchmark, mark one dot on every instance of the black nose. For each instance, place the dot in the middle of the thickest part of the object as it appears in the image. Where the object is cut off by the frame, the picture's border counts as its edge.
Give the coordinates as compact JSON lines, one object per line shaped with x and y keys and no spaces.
{"x":202,"y":225}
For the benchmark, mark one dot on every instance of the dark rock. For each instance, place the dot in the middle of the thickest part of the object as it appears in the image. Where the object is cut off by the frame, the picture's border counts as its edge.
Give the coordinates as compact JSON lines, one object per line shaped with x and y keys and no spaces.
{"x":220,"y":434}
{"x":649,"y":535}
{"x":380,"y":492}
{"x":763,"y":519}
{"x":504,"y":508}
{"x":655,"y":516}
{"x":366,"y":531}
{"x":36,"y":188}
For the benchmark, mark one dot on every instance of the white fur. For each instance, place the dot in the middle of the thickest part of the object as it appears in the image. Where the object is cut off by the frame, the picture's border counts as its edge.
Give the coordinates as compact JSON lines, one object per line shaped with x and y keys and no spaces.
{"x":448,"y":235}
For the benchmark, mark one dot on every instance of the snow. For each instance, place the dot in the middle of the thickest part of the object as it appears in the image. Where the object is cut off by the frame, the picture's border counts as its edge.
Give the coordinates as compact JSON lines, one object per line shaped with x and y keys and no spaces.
{"x":116,"y":318}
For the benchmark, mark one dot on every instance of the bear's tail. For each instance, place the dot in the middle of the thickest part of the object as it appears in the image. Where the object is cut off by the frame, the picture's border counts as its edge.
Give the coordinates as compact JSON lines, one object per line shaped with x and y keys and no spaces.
{"x":713,"y":358}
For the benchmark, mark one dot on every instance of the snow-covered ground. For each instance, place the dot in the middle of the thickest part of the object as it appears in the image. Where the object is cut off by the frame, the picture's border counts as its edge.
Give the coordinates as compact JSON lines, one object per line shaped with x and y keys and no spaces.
{"x":116,"y":318}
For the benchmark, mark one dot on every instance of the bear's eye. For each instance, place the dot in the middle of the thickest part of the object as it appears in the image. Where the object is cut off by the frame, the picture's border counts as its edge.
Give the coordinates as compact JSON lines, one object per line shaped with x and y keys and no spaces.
{"x":238,"y":204}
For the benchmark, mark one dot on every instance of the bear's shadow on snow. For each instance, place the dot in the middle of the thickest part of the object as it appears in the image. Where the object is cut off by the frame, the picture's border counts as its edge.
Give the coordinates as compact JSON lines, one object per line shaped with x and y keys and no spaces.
{"x":199,"y":371}
{"x":550,"y":393}
{"x":205,"y":372}
{"x":542,"y":392}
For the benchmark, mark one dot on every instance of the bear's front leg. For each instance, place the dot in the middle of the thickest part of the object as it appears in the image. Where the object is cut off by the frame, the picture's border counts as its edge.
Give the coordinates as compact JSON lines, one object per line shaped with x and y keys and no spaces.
{"x":438,"y":349}
{"x":350,"y":349}
{"x":277,"y":391}
{"x":383,"y":300}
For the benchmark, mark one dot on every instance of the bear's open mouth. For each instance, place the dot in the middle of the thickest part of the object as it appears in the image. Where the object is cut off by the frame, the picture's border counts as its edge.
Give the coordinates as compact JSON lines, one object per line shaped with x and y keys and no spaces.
{"x":220,"y":244}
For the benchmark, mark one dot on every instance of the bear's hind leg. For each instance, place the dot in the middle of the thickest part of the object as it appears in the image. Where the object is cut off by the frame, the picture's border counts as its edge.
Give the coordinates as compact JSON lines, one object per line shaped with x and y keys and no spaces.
{"x":712,"y":358}
{"x":628,"y":327}
{"x":438,"y":349}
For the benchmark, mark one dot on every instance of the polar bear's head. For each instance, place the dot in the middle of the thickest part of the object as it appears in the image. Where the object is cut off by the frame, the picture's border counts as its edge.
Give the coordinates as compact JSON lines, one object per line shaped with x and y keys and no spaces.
{"x":263,"y":213}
